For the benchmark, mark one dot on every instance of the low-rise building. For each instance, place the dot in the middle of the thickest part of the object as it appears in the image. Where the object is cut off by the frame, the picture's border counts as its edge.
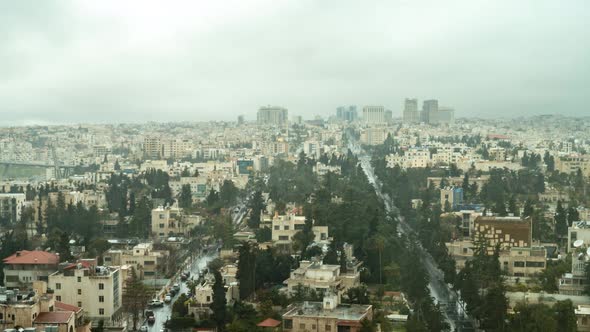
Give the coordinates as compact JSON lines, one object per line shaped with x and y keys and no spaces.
{"x":146,"y":261}
{"x":579,"y":230}
{"x":507,"y":231}
{"x":323,"y":277}
{"x":171,"y":221}
{"x":284,"y":227}
{"x":326,"y":316}
{"x":523,"y":262}
{"x":25,"y":267}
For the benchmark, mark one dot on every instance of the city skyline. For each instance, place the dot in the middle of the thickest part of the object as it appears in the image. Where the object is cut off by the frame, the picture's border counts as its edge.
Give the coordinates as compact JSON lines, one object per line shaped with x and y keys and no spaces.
{"x":105,"y":62}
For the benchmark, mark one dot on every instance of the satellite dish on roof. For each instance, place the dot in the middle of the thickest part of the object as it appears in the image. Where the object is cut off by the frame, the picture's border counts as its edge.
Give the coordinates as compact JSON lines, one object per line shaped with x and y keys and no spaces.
{"x":578,"y":243}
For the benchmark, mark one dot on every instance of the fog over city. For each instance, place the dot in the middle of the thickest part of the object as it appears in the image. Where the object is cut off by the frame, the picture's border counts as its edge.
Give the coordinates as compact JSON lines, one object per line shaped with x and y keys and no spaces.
{"x":129,"y":61}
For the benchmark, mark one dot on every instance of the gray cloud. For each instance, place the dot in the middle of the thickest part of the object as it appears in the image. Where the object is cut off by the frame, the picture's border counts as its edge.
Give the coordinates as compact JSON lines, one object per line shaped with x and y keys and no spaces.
{"x":90,"y":61}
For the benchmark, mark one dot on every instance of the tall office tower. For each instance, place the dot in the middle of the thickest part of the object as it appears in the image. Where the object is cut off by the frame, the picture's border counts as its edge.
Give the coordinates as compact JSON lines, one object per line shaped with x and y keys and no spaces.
{"x":152,"y":147}
{"x":428,"y":107}
{"x":373,"y":114}
{"x":240,"y":119}
{"x":272,"y":115}
{"x":411,"y":114}
{"x":346,"y":114}
{"x":388,"y":116}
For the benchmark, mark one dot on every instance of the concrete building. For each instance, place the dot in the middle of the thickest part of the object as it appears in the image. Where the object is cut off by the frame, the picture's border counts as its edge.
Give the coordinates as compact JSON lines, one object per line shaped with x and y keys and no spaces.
{"x":284,"y":227}
{"x":523,"y":262}
{"x":572,"y":164}
{"x":11,"y":206}
{"x":442,"y":116}
{"x":326,"y":316}
{"x":272,"y":115}
{"x":152,"y":148}
{"x":373,"y":114}
{"x":411,"y":113}
{"x":583,"y":318}
{"x":374,"y":135}
{"x":507,"y":231}
{"x":428,"y":107}
{"x":323,"y":277}
{"x":451,"y":196}
{"x":171,"y":221}
{"x":25,"y":267}
{"x":97,"y":289}
{"x":579,"y":230}
{"x":148,"y":263}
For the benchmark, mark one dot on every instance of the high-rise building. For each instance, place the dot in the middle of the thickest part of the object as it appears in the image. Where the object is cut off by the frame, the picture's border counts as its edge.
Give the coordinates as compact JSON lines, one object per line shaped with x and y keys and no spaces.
{"x":346,"y":113}
{"x":373,"y":114}
{"x":240,"y":119}
{"x":388,"y":116}
{"x":273,"y":115}
{"x":428,"y":107}
{"x":152,"y":148}
{"x":411,"y":114}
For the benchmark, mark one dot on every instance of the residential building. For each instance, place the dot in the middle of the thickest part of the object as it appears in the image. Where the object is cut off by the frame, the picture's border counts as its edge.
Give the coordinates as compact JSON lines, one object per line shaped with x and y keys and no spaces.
{"x":152,"y":148}
{"x":97,"y":289}
{"x":323,"y":277}
{"x":146,"y":261}
{"x":582,"y":312}
{"x":11,"y":206}
{"x":25,"y":267}
{"x":284,"y":227}
{"x":171,"y":221}
{"x":507,"y":231}
{"x":579,"y":230}
{"x":373,"y":114}
{"x":523,"y":262}
{"x":272,"y":115}
{"x":326,"y":316}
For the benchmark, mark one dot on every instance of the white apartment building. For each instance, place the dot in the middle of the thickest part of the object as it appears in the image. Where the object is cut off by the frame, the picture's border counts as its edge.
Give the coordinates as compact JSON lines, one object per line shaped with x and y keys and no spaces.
{"x":373,"y":114}
{"x":97,"y":289}
{"x":171,"y":221}
{"x":284,"y":227}
{"x":322,"y":277}
{"x":142,"y":257}
{"x":580,"y":230}
{"x":412,"y":158}
{"x":11,"y":206}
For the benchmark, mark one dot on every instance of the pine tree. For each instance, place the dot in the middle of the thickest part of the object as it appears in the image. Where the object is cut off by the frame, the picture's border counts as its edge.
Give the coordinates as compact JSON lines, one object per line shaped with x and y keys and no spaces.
{"x":135,"y":297}
{"x":219,"y":304}
{"x":560,"y":220}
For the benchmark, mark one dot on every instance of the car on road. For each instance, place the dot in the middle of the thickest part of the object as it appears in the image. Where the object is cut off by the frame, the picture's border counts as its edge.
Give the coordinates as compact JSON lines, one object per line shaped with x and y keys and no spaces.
{"x":143,"y":328}
{"x":168,"y":298}
{"x":176,"y":287}
{"x":151,"y":317}
{"x":155,"y":303}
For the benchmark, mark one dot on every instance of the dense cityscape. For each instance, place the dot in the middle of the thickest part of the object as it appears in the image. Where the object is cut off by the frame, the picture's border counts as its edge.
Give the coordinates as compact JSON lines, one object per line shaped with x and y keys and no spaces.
{"x":368,"y":220}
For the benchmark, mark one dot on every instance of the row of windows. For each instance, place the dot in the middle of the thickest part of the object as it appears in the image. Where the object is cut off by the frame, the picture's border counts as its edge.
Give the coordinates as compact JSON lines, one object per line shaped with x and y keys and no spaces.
{"x":288,"y":324}
{"x":529,"y":264}
{"x":58,"y":286}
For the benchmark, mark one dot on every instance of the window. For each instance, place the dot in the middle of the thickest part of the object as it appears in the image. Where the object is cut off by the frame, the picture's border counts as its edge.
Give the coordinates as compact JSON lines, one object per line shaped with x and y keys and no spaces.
{"x":288,"y":324}
{"x":79,"y":291}
{"x":149,"y":263}
{"x":101,"y":311}
{"x":313,"y":326}
{"x":100,"y":298}
{"x":79,"y":279}
{"x":101,"y":286}
{"x":277,"y":228}
{"x":58,"y":285}
{"x":286,"y":228}
{"x":302,"y":326}
{"x":283,"y":238}
{"x":299,"y":227}
{"x":518,"y":264}
{"x":161,"y":225}
{"x":535,"y":264}
{"x":58,"y":297}
{"x":208,"y":298}
{"x":79,"y":304}
{"x":328,"y":327}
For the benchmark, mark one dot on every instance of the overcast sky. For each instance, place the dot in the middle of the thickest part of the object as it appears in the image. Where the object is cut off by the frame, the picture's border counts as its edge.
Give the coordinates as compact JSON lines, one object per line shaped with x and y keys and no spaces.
{"x":126,"y":61}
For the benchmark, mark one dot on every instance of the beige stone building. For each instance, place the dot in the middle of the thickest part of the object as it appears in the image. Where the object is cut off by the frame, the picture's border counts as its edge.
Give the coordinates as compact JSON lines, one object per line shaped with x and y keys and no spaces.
{"x":171,"y":221}
{"x":148,"y":263}
{"x":523,"y":262}
{"x":25,"y":267}
{"x":97,"y":289}
{"x":323,"y":277}
{"x":326,"y":316}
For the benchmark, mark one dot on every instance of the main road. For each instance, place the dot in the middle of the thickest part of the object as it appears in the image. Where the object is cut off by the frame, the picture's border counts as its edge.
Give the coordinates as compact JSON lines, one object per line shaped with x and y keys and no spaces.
{"x":439,"y":289}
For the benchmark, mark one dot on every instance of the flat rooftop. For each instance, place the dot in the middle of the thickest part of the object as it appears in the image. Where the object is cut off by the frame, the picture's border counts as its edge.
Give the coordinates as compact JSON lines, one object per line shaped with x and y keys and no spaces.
{"x":316,"y":309}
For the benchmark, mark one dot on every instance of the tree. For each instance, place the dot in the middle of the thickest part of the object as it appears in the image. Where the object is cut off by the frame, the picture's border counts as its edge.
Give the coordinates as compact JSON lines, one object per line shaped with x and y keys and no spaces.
{"x":219,"y":304}
{"x":246,"y":270}
{"x":180,"y":308}
{"x":186,"y":197}
{"x":256,"y":205}
{"x":135,"y":296}
{"x":560,"y":220}
{"x":228,"y":193}
{"x":331,"y":256}
{"x":117,"y":167}
{"x":533,"y":318}
{"x":565,"y":316}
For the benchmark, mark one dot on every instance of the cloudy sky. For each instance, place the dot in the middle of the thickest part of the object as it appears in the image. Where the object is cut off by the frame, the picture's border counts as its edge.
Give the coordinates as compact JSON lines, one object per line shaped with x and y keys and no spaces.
{"x":127,"y":61}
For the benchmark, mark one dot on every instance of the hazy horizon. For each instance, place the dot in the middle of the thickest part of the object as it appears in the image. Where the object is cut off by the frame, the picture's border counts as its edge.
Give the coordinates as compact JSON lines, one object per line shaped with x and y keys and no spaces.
{"x":138,"y":61}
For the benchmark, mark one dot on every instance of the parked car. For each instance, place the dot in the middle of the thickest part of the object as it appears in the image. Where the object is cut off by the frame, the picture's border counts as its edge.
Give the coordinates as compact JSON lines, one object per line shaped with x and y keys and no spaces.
{"x":168,"y":298}
{"x":143,"y":328}
{"x":176,"y":287}
{"x":151,"y":317}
